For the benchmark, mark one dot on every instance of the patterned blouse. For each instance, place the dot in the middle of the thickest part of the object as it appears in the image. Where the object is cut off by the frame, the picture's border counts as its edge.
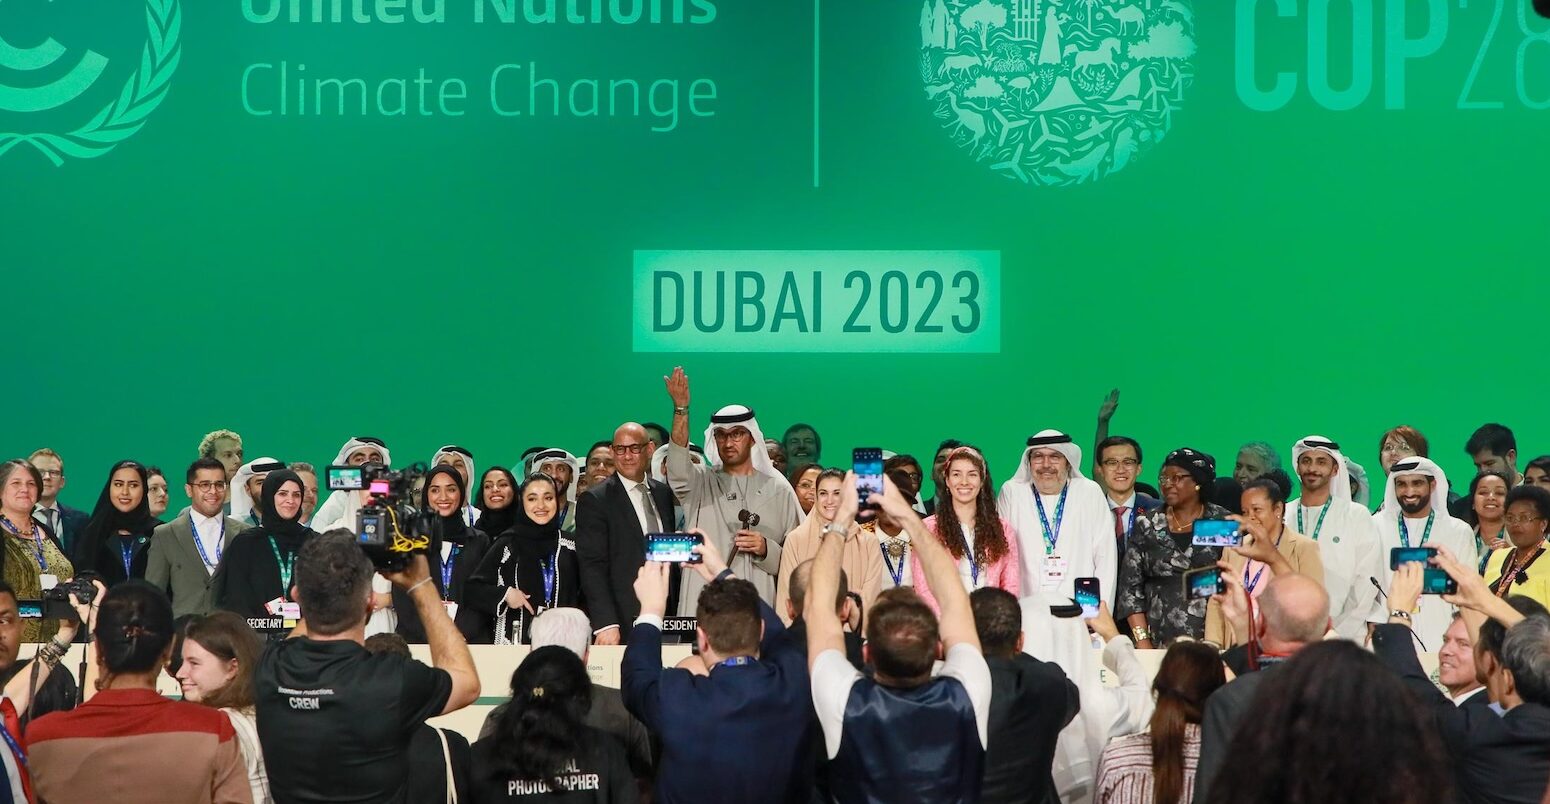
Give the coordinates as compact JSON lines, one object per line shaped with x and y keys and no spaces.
{"x":22,"y":573}
{"x":1125,"y":771}
{"x":1151,"y":577}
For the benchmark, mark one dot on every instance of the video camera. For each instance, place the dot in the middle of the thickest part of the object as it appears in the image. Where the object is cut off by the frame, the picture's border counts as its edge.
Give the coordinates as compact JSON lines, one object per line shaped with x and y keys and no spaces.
{"x":388,"y":527}
{"x":56,"y":604}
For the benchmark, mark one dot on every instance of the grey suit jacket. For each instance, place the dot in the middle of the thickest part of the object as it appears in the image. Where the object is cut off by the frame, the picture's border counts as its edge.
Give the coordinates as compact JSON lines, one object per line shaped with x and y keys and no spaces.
{"x":174,"y":565}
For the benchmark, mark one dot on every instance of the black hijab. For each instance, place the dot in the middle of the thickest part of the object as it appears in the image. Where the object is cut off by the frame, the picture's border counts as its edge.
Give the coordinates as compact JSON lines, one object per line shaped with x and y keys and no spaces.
{"x":453,"y":528}
{"x":529,"y":540}
{"x":496,"y":521}
{"x":106,"y":520}
{"x":270,"y":521}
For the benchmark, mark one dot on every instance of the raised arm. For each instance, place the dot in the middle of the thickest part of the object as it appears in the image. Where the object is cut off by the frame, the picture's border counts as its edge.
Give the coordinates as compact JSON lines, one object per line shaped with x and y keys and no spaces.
{"x":824,"y":629}
{"x":956,"y":622}
{"x":449,"y":651}
{"x":1105,"y":414}
{"x":678,"y":391}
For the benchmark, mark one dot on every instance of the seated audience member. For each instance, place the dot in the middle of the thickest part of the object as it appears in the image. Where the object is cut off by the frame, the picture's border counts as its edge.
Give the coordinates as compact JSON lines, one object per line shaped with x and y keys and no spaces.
{"x":127,"y":744}
{"x":1293,"y":614}
{"x":435,"y":752}
{"x":1159,"y":764}
{"x":56,"y":692}
{"x":877,"y":730}
{"x":1456,"y":666}
{"x":542,"y":748}
{"x":117,"y":539}
{"x":1030,"y":703}
{"x":1332,"y":726}
{"x":1269,"y":549}
{"x":1107,"y":712}
{"x":320,"y":695}
{"x":861,"y":559}
{"x":1495,"y":757}
{"x":1521,"y":568}
{"x":570,"y":629}
{"x":844,"y":607}
{"x":219,"y":653}
{"x":741,"y":733}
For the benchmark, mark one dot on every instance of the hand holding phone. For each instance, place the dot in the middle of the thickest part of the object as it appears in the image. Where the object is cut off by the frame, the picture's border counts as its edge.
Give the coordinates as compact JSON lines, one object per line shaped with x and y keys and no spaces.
{"x":1201,"y":584}
{"x":1409,"y":555}
{"x":867,"y":464}
{"x":1217,"y":533}
{"x":1088,"y":597}
{"x":673,"y":548}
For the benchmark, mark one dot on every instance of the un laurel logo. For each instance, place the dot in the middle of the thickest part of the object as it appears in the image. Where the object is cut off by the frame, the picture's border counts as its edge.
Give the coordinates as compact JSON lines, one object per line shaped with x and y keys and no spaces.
{"x":1056,"y":93}
{"x":113,"y":123}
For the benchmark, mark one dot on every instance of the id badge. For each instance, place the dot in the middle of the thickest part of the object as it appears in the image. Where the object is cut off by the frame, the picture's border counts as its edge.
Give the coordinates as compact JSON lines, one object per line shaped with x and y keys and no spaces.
{"x":48,"y":581}
{"x":274,"y":606}
{"x":291,"y":612}
{"x":451,"y":607}
{"x":1054,"y":572}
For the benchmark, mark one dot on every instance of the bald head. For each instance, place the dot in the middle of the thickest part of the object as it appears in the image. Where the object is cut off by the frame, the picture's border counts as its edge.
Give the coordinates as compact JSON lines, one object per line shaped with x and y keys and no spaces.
{"x":632,"y":451}
{"x":1296,"y":611}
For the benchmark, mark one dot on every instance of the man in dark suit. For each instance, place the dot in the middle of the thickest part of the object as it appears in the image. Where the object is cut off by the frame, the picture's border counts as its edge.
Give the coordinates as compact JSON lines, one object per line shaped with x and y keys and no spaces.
{"x":801,"y":578}
{"x":741,"y":733}
{"x":1118,"y":465}
{"x":1495,"y":757}
{"x":182,"y":562}
{"x":64,"y":522}
{"x":1294,"y":613}
{"x":1030,"y":703}
{"x":612,"y":518}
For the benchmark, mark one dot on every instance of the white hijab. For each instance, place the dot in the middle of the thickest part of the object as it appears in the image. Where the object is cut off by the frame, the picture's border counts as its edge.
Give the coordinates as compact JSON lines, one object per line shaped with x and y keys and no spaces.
{"x":1340,"y":484}
{"x":1417,"y":466}
{"x":550,"y":454}
{"x":241,"y":503}
{"x":659,"y":459}
{"x":1363,"y":485}
{"x":1049,"y":439}
{"x":358,"y":443}
{"x":741,"y":416}
{"x":338,"y":511}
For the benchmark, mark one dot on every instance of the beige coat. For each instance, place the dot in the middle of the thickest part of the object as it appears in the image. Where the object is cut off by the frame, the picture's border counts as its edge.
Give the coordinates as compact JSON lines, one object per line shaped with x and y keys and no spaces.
{"x":861,"y":559}
{"x":1300,"y":551}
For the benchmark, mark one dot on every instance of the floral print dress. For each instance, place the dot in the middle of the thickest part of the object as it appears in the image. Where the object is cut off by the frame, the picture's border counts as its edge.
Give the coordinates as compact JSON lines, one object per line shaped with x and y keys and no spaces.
{"x":1151,"y":577}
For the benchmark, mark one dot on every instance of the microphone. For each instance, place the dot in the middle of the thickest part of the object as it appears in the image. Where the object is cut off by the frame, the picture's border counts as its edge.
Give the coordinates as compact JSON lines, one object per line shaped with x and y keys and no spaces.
{"x":1375,"y":584}
{"x":1379,"y":586}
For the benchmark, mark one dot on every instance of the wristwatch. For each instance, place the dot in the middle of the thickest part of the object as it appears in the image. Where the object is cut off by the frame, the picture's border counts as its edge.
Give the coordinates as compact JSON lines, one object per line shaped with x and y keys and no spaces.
{"x":830,"y":527}
{"x":1401,"y":614}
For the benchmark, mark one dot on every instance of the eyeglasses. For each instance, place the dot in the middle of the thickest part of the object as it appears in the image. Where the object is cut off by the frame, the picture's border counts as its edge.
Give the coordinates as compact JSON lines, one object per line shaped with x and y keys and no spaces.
{"x":211,"y":485}
{"x":51,"y":472}
{"x":1128,"y":463}
{"x":629,"y":449}
{"x":1521,"y":519}
{"x":1174,"y":480}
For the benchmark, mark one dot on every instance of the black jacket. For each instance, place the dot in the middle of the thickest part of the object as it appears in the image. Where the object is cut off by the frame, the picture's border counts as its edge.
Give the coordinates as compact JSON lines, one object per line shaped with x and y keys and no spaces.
{"x":475,"y":544}
{"x":1030,"y":702}
{"x":612,"y":548}
{"x":1496,"y":758}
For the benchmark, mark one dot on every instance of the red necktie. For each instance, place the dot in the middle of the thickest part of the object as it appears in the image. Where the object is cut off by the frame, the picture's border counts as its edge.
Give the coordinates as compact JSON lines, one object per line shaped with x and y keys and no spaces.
{"x":1119,"y":522}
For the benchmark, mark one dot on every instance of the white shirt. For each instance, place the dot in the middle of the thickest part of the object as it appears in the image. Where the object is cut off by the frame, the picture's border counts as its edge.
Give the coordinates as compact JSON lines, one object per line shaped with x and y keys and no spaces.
{"x":1349,"y":549}
{"x":1459,"y":701}
{"x":966,"y":564}
{"x":51,"y":516}
{"x":1130,"y":502}
{"x":208,"y":531}
{"x":834,"y":676}
{"x":640,"y":498}
{"x":1432,"y":621}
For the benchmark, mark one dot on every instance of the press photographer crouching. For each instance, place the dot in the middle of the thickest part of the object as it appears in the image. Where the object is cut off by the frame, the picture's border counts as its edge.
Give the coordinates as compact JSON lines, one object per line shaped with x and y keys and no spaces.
{"x":127,"y":744}
{"x":335,"y":721}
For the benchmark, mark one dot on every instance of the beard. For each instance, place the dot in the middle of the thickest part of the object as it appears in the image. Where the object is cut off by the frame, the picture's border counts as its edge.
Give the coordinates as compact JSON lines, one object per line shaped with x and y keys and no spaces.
{"x":1415,"y":507}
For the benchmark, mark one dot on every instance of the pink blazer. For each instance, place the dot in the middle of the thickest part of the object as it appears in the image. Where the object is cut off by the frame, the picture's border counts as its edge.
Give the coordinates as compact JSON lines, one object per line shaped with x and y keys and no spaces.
{"x":1004,"y":574}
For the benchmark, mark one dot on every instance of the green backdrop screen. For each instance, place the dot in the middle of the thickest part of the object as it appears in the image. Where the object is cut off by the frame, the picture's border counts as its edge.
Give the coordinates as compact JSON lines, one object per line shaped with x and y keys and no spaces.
{"x":445,"y":221}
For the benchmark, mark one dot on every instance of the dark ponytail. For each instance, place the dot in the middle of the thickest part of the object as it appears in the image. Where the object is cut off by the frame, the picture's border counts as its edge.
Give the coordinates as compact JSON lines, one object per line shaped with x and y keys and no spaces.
{"x":134,"y":627}
{"x":1189,"y":673}
{"x":541,"y":730}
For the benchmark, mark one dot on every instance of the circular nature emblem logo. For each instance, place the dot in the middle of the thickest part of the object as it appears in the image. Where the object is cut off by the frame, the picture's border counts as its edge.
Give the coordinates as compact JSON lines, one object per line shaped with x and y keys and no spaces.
{"x":118,"y":120}
{"x":1056,"y":93}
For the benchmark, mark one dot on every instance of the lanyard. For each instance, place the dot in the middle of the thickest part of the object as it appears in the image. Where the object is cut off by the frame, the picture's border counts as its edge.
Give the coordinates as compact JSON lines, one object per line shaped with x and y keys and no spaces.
{"x":203,"y":556}
{"x":468,"y":514}
{"x":896,"y":574}
{"x":37,"y":535}
{"x":286,"y":567}
{"x":16,"y":749}
{"x":446,"y":572}
{"x":1248,"y":585}
{"x":127,"y":550}
{"x":735,"y":661}
{"x":1320,"y":524}
{"x":974,"y":570}
{"x":1051,"y":536}
{"x":1404,"y":532}
{"x":550,"y":569}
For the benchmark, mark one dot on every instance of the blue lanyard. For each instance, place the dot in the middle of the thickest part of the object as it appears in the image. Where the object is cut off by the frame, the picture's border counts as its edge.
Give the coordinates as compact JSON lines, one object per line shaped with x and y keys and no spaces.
{"x":1404,"y":532}
{"x":16,"y":749}
{"x":896,"y":574}
{"x":203,"y":556}
{"x":446,"y":572}
{"x":127,"y":550}
{"x":468,"y":514}
{"x":549,"y":568}
{"x":974,"y":570}
{"x":735,"y":661}
{"x":1051,"y":535}
{"x":1248,"y":585}
{"x":37,"y":535}
{"x":1320,"y":524}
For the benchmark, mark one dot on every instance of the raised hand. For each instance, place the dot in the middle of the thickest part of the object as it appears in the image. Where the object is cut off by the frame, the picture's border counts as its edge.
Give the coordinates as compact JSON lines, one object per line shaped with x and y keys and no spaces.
{"x":678,"y":387}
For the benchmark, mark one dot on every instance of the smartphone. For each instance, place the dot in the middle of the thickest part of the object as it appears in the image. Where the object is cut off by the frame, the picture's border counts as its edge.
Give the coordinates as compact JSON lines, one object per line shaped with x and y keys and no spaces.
{"x":1204,"y":582}
{"x":1087,"y":597}
{"x":677,"y":548}
{"x":1217,"y":533}
{"x":1411,"y":555}
{"x":1435,"y":581}
{"x":29,"y":609}
{"x":345,"y":478}
{"x":867,"y":463}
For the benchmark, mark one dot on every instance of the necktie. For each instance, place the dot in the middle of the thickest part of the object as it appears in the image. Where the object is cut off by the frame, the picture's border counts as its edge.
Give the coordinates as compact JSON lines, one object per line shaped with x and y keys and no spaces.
{"x":653,"y":525}
{"x":1119,"y":523}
